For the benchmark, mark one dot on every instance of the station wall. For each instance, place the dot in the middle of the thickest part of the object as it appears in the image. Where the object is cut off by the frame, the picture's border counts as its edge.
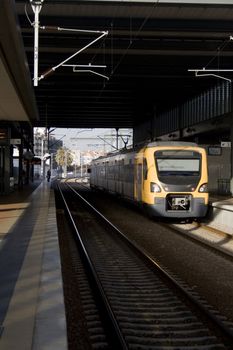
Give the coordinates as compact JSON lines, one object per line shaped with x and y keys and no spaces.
{"x":178,"y":121}
{"x":219,"y":168}
{"x":211,"y":110}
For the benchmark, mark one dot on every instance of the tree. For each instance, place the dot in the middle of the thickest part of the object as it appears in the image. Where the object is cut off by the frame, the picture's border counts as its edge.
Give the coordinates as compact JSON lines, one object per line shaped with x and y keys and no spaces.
{"x":64,"y":157}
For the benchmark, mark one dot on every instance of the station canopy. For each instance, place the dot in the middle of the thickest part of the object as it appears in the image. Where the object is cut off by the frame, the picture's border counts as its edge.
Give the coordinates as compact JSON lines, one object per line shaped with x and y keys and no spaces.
{"x":147,"y":52}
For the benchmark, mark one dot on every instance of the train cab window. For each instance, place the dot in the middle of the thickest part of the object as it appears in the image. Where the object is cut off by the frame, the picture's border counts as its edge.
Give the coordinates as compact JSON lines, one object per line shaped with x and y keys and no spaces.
{"x":183,"y":163}
{"x":145,"y":169}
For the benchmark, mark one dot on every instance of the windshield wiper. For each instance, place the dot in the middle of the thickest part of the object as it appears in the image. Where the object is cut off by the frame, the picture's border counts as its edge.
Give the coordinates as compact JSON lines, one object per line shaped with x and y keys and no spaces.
{"x":178,"y":173}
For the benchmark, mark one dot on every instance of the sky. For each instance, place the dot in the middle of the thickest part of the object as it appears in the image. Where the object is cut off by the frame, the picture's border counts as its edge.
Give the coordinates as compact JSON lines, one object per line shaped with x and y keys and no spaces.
{"x":92,"y":139}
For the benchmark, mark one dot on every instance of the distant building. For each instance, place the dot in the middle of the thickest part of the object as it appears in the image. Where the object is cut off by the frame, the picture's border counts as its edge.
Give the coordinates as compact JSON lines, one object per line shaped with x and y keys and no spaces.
{"x":85,"y":157}
{"x":40,"y":143}
{"x":45,"y":146}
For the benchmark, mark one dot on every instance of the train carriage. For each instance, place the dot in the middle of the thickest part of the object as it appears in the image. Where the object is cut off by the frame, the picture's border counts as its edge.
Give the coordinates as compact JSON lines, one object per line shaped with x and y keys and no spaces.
{"x":169,"y":179}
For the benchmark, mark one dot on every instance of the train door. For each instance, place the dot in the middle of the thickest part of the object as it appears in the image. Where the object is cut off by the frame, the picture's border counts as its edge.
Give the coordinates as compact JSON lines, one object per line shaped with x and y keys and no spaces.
{"x":116,"y":176}
{"x":138,"y":182}
{"x":2,"y":170}
{"x":122,"y":175}
{"x":107,"y":174}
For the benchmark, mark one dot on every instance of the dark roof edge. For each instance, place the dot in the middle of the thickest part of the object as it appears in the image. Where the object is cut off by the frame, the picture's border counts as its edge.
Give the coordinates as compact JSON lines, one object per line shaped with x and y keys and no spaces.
{"x":13,"y":48}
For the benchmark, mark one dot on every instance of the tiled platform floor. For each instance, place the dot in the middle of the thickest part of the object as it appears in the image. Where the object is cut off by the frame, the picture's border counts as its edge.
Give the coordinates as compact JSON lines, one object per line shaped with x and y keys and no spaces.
{"x":32,"y":314}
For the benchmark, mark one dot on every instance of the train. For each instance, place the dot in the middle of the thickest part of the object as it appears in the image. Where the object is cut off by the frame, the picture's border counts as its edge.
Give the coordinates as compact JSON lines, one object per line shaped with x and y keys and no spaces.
{"x":168,"y":179}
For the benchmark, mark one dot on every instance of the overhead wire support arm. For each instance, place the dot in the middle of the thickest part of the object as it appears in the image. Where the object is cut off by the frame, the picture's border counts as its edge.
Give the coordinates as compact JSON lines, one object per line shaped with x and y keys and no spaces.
{"x":74,"y":30}
{"x":36,"y":7}
{"x":210,"y":72}
{"x":84,"y":65}
{"x":51,"y":70}
{"x":77,"y":70}
{"x":90,"y":71}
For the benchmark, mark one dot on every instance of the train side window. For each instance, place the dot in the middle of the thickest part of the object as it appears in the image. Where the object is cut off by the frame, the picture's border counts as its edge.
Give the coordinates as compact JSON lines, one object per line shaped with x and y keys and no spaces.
{"x":116,"y":171}
{"x":103,"y":170}
{"x":145,"y":169}
{"x":121,"y":177}
{"x":107,"y":169}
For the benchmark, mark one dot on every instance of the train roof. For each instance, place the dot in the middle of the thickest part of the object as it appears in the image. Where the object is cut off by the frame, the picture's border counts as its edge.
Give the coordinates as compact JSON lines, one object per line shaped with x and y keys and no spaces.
{"x":171,"y":143}
{"x":149,"y":145}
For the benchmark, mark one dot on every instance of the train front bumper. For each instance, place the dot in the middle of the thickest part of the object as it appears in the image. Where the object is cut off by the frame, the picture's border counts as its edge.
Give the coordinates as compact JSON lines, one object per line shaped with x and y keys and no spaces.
{"x":197,"y":209}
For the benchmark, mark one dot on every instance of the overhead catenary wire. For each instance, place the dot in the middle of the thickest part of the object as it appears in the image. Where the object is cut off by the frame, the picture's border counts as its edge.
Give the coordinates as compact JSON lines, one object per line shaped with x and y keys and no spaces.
{"x":135,"y":36}
{"x":132,"y":38}
{"x":219,"y":49}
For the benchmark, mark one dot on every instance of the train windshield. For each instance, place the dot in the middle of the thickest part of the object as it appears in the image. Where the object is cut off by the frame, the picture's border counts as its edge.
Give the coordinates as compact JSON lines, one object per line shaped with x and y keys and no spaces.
{"x":178,"y":162}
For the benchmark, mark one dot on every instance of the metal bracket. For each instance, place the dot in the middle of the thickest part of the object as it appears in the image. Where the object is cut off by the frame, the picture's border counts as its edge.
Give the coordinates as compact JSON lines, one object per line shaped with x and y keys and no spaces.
{"x":204,"y":74}
{"x":211,"y":72}
{"x":77,"y":70}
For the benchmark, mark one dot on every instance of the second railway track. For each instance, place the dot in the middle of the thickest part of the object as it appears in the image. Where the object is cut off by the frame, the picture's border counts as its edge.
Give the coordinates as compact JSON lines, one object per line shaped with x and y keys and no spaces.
{"x":150,"y":311}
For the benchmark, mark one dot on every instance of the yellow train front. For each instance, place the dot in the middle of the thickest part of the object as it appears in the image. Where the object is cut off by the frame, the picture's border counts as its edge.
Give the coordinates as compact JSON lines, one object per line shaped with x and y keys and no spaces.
{"x":169,"y":179}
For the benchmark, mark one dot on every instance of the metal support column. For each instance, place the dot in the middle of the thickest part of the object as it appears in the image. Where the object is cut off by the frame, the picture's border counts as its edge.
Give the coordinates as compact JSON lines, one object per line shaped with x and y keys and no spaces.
{"x":231,"y":180}
{"x":36,"y":7}
{"x":5,"y":168}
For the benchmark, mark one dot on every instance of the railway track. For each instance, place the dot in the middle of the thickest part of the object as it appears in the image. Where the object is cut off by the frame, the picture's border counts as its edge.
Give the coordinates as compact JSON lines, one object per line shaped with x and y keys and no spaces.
{"x":145,"y":308}
{"x":190,"y":232}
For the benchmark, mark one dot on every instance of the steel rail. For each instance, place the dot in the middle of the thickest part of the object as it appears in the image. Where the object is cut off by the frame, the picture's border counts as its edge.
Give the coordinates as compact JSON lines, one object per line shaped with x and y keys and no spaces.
{"x":119,"y":341}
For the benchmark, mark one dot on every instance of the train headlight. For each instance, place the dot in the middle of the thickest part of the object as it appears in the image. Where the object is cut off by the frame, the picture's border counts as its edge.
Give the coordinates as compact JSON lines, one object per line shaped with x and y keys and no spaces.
{"x":154,"y":187}
{"x":203,"y":188}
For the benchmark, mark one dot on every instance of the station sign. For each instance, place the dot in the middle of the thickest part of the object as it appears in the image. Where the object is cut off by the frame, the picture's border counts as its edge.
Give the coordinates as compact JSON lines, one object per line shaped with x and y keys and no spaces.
{"x":226,"y":144}
{"x":15,"y":141}
{"x":214,"y":151}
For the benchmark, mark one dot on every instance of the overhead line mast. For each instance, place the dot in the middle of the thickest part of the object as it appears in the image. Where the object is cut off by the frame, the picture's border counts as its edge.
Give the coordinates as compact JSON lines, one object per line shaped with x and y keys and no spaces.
{"x":36,"y":7}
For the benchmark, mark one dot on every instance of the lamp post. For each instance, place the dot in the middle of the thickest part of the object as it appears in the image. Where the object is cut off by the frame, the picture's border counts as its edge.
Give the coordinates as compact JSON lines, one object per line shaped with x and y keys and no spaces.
{"x":42,"y":158}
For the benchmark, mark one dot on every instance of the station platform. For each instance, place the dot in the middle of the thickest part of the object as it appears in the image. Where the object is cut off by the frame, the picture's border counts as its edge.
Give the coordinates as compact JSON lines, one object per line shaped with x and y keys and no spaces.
{"x":220,"y":216}
{"x":32,"y":312}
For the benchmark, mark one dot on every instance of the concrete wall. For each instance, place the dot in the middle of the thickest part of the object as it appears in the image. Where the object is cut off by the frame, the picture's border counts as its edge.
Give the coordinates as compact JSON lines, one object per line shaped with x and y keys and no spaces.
{"x":219,"y":171}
